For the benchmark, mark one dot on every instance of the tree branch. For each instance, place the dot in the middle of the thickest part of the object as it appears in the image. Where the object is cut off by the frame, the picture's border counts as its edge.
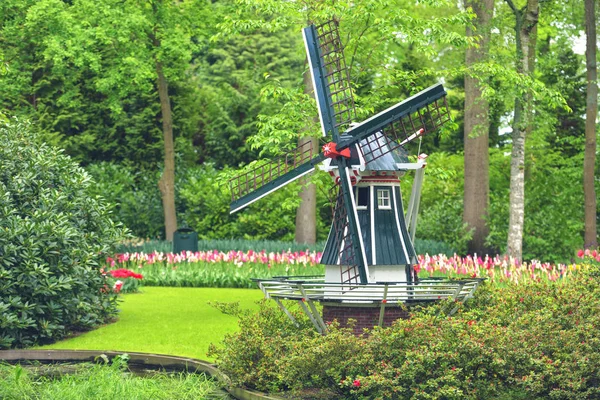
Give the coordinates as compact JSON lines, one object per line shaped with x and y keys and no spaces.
{"x":512,"y":6}
{"x":357,"y":42}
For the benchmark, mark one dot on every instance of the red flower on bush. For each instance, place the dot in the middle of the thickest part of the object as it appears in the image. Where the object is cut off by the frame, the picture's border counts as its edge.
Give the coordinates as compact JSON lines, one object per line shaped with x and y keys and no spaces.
{"x":117,"y":286}
{"x":125,"y":273}
{"x":356,"y":383}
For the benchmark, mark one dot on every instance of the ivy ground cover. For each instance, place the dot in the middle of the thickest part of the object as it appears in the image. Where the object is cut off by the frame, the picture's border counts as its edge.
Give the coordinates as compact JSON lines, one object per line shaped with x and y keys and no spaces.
{"x":174,"y":321}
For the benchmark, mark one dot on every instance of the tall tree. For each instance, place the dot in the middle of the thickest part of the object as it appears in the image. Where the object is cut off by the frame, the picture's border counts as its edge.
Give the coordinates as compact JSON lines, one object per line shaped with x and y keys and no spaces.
{"x":590,"y":239}
{"x":306,"y":214}
{"x":132,"y":48}
{"x":376,"y":46}
{"x":526,"y":19}
{"x":476,"y":130}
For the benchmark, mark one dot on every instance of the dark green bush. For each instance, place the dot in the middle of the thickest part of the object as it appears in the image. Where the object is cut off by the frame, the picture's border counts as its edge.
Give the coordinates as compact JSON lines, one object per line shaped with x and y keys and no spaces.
{"x":442,"y":222}
{"x":426,"y":246}
{"x":135,"y":195}
{"x":53,"y":235}
{"x":537,"y":341}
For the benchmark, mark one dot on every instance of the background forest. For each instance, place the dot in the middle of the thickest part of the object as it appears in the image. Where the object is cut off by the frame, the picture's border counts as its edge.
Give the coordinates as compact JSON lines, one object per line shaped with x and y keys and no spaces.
{"x":163,"y":101}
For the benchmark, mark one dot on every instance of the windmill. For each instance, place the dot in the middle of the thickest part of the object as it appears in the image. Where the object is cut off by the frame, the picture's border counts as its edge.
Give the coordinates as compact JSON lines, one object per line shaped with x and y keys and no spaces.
{"x":370,"y":238}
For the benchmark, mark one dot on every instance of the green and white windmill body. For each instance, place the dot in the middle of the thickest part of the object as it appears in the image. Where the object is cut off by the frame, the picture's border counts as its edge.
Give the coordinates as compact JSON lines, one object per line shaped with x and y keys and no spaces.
{"x":371,"y":239}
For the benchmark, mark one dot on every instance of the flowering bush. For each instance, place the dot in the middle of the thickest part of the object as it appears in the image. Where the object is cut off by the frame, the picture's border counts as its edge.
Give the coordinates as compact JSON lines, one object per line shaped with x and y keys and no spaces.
{"x":534,"y":340}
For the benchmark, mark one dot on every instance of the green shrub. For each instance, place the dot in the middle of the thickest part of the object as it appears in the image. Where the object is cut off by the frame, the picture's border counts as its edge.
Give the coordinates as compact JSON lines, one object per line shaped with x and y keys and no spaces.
{"x":443,"y":222}
{"x":205,"y":197}
{"x":53,"y":236}
{"x":431,"y":247}
{"x":135,"y":195}
{"x":528,"y":341}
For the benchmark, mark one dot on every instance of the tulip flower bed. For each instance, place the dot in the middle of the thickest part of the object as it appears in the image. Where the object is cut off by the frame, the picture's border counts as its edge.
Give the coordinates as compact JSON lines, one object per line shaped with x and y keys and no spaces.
{"x":125,"y":280}
{"x":237,"y":268}
{"x":233,"y":269}
{"x":498,"y":269}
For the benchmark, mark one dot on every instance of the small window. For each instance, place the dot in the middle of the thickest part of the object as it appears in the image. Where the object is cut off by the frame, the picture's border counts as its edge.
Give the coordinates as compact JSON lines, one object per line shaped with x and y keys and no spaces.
{"x":383,"y":200}
{"x":362,"y":197}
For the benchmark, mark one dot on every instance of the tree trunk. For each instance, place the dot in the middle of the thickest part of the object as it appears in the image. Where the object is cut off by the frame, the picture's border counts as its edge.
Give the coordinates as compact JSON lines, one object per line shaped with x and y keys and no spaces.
{"x":476,"y":133}
{"x":306,"y":215}
{"x":167,"y":180}
{"x":526,"y":21}
{"x":589,"y":159}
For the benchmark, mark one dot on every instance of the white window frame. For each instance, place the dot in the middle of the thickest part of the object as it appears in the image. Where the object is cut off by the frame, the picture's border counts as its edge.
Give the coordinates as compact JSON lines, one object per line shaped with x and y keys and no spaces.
{"x":384,"y":201}
{"x":356,"y":188}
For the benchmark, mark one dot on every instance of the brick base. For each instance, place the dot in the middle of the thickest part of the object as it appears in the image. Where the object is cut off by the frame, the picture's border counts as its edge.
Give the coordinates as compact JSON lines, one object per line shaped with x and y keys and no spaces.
{"x":366,"y":317}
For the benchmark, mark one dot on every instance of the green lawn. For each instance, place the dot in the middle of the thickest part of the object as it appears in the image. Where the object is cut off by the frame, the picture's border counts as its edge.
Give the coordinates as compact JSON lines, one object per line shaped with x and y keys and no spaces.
{"x":163,"y":320}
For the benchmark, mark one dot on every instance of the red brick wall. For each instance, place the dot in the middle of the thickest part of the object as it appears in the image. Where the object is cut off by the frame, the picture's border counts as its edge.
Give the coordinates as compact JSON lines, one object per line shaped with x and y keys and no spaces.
{"x":366,"y":317}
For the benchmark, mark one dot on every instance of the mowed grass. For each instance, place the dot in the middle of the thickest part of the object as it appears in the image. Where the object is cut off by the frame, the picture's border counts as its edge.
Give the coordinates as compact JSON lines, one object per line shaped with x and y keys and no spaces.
{"x":164,"y":320}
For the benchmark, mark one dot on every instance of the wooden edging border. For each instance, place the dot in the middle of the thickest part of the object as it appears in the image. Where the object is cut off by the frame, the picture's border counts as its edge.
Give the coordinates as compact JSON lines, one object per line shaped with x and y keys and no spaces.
{"x":144,"y":359}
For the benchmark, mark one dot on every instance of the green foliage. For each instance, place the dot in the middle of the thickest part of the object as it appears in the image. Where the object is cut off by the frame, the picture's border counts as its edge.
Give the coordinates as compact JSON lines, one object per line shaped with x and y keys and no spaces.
{"x":134,"y":194}
{"x":223,"y":245}
{"x":427,"y":246}
{"x":554,"y":226}
{"x":94,"y":381}
{"x":441,"y":207}
{"x":256,"y":357}
{"x":53,"y":236}
{"x":535,"y":341}
{"x":205,"y":197}
{"x":443,"y":222}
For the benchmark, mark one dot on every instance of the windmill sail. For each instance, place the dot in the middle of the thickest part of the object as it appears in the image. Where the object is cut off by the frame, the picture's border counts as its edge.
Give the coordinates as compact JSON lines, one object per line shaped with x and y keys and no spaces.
{"x":330,"y":77}
{"x":392,"y":128}
{"x":341,"y":247}
{"x":271,"y":175}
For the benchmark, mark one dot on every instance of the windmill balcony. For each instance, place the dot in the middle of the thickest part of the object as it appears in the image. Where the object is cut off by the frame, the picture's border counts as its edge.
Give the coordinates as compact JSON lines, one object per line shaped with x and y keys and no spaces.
{"x":357,"y":301}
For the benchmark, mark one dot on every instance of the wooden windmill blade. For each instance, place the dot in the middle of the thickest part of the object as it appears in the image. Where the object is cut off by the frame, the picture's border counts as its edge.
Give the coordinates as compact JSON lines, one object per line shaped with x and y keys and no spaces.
{"x":339,"y":249}
{"x":330,"y":77}
{"x":271,"y":175}
{"x":335,"y":103}
{"x":416,"y":116}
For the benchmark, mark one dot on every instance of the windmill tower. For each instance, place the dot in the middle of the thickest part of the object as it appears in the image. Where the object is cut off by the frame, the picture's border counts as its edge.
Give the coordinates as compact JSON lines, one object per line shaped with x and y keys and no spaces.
{"x":369,"y":255}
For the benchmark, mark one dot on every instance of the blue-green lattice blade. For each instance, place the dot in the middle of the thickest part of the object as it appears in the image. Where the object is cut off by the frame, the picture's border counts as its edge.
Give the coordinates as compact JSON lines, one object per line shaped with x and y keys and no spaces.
{"x":269,"y":176}
{"x":318,"y":75}
{"x":330,"y":77}
{"x":416,"y":116}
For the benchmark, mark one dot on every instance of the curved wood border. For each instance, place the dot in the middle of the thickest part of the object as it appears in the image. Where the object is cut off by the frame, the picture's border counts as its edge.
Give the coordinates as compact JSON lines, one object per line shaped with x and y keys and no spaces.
{"x":144,"y":359}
